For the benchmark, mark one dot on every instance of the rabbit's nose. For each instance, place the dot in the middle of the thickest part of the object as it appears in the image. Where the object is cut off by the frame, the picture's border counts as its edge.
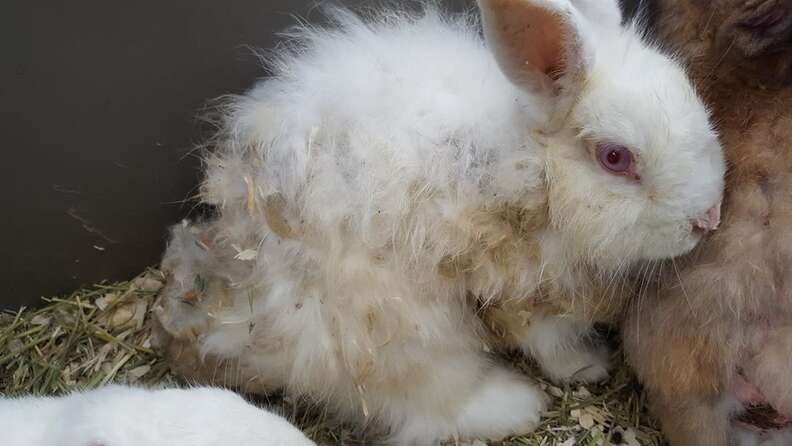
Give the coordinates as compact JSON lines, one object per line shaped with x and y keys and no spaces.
{"x":709,"y":221}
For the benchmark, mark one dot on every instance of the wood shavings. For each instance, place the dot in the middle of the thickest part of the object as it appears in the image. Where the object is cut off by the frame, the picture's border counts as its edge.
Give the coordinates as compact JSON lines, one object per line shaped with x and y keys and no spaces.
{"x":130,"y":314}
{"x":105,"y":301}
{"x":40,"y":319}
{"x":581,"y":393}
{"x":246,"y":255}
{"x":149,"y":284}
{"x":138,"y":372}
{"x":555,"y":391}
{"x":586,"y":420}
{"x":591,"y":415}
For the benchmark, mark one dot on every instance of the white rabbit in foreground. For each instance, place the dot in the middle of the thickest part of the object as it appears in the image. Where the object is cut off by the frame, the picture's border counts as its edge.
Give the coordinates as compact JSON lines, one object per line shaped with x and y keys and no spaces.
{"x":397,"y":174}
{"x":127,"y":416}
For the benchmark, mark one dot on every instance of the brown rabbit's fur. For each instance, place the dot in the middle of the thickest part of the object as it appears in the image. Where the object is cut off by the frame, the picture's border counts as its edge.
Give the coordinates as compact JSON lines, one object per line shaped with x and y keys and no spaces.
{"x":728,"y":306}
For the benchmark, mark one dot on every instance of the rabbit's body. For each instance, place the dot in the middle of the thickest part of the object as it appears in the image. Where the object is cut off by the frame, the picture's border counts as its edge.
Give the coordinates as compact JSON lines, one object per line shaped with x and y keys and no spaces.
{"x":716,"y":337}
{"x":393,"y":177}
{"x":127,"y":416}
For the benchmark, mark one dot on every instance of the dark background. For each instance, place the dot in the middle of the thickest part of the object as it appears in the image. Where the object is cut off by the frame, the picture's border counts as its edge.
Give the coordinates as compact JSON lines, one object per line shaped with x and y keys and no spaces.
{"x":98,"y":106}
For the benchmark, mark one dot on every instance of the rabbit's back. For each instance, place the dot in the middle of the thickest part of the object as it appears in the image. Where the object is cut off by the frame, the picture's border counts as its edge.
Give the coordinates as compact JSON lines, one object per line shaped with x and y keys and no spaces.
{"x":348,"y":183}
{"x":361,"y":118}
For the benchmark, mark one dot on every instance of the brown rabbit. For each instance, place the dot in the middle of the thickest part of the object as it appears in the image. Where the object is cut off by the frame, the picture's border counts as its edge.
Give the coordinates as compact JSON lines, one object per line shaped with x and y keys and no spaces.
{"x":713,"y":341}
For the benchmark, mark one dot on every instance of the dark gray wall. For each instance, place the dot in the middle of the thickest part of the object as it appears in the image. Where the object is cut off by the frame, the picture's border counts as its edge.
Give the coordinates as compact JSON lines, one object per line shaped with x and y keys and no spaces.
{"x":97,"y":107}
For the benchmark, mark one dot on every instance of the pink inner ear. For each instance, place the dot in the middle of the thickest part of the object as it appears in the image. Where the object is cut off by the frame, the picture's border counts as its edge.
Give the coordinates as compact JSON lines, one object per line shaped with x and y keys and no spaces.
{"x":531,"y":36}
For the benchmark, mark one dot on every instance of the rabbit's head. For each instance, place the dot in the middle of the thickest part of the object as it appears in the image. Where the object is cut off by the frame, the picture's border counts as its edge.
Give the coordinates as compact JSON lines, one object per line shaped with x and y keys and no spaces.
{"x":634,"y":169}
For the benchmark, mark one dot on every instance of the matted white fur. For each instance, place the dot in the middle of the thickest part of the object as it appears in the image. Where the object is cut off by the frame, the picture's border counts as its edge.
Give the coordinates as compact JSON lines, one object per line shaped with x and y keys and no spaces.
{"x":128,"y":416}
{"x":389,"y":179}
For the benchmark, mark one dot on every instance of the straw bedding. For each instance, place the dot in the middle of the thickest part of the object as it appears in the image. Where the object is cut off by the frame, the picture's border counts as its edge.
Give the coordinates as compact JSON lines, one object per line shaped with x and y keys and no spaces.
{"x":102,"y":334}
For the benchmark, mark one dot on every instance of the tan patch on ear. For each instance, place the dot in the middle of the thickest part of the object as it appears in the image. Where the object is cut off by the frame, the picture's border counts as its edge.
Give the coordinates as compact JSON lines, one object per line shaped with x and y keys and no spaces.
{"x":527,"y":38}
{"x":525,"y":25}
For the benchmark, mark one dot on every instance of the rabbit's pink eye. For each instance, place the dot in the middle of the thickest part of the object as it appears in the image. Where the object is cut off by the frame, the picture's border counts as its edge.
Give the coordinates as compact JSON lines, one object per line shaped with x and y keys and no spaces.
{"x":615,"y":158}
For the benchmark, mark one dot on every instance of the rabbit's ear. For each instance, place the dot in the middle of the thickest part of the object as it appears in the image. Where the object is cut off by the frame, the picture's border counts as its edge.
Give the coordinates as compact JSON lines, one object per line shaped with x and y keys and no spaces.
{"x":539,"y":44}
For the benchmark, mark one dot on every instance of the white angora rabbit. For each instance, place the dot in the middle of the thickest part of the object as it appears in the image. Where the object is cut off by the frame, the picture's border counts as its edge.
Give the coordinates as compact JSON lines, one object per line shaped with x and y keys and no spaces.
{"x":399,"y":174}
